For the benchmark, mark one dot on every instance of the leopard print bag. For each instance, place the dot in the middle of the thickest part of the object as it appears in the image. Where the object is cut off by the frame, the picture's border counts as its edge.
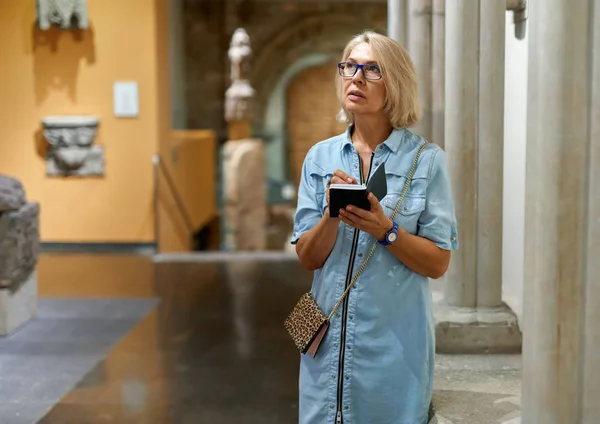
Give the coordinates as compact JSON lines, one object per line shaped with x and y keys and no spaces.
{"x":307,"y":324}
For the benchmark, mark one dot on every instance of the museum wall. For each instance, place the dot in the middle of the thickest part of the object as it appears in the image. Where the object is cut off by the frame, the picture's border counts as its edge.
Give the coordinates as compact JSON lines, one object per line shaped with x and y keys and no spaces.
{"x":60,"y":72}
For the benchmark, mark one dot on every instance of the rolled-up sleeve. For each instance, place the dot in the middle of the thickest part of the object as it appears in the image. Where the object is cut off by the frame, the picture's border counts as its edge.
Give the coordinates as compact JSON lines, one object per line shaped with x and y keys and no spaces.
{"x":308,"y":209}
{"x":438,"y":221}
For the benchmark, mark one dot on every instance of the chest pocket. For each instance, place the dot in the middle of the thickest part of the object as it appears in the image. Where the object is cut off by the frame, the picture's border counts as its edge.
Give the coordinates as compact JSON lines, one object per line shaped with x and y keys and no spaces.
{"x":414,"y":202}
{"x":320,"y":180}
{"x":409,"y":212}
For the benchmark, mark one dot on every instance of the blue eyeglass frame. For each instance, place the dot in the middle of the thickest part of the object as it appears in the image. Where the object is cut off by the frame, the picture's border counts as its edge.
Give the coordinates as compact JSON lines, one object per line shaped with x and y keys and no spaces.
{"x":362,"y":68}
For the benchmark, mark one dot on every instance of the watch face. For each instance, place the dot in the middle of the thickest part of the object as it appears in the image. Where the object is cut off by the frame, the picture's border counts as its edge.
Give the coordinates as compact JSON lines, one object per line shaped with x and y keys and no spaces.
{"x":392,"y":237}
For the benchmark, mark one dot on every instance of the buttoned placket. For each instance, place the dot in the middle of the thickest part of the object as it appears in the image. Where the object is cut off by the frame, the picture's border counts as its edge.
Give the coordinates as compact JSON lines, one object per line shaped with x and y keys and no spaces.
{"x":381,"y":154}
{"x":342,"y":380}
{"x":377,"y":158}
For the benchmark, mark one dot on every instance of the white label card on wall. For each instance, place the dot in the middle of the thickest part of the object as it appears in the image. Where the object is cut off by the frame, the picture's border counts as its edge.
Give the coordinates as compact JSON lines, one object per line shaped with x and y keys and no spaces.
{"x":125,"y":95}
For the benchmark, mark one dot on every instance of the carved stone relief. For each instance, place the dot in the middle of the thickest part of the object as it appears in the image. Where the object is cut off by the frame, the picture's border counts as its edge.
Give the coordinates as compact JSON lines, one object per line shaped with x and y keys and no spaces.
{"x":19,"y":249}
{"x":67,"y":14}
{"x":71,"y":151}
{"x":239,"y":95}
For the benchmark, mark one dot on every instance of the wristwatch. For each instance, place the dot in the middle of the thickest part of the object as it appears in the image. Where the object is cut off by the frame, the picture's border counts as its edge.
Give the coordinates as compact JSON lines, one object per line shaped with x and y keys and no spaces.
{"x":391,"y":236}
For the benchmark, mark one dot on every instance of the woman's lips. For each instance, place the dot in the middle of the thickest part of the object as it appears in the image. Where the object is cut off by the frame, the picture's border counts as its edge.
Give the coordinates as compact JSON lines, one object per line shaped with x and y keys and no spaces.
{"x":356,"y":95}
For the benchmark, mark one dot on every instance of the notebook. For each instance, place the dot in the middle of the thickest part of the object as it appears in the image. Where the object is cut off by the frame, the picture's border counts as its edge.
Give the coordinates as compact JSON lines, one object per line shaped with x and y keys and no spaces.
{"x":342,"y":195}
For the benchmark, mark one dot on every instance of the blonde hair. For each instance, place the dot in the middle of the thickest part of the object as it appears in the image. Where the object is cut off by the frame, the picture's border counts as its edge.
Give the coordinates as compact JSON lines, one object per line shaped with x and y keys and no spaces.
{"x":401,"y":99}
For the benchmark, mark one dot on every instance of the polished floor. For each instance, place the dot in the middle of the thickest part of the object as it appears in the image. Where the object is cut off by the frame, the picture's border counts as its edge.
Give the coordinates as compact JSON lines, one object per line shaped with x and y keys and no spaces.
{"x":212,"y":347}
{"x":212,"y":351}
{"x":45,"y":359}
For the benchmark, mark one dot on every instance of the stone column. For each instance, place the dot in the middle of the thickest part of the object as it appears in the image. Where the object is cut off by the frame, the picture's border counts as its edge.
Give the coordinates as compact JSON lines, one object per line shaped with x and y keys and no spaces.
{"x":472,"y":316}
{"x":418,"y":44}
{"x":438,"y":59}
{"x":561,"y":365}
{"x":396,"y":17}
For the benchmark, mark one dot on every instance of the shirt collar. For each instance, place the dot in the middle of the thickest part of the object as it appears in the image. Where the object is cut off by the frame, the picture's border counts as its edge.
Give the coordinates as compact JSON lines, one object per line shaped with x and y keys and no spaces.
{"x":392,"y":142}
{"x":347,"y":139}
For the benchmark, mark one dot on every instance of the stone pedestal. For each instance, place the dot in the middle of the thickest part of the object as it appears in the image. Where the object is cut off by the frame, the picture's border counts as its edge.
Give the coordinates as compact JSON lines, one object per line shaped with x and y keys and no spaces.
{"x":18,"y":304}
{"x":476,"y":330}
{"x":19,"y":246}
{"x":245,"y":195}
{"x":561,"y":364}
{"x":472,"y":317}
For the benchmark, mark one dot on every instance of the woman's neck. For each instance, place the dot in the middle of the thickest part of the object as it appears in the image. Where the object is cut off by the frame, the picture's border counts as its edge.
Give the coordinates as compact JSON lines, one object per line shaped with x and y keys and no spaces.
{"x":371,"y":131}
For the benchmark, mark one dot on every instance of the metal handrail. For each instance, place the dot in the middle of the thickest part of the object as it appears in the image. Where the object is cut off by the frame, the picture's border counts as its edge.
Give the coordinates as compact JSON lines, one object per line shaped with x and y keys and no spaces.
{"x":158,"y":163}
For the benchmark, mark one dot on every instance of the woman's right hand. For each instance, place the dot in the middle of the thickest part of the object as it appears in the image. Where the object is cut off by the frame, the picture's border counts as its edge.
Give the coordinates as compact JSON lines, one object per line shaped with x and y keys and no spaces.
{"x":339,"y":177}
{"x":314,"y":247}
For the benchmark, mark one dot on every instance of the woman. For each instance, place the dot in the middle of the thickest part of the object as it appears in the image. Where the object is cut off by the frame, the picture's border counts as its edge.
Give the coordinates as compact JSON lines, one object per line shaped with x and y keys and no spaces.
{"x":376,"y":362}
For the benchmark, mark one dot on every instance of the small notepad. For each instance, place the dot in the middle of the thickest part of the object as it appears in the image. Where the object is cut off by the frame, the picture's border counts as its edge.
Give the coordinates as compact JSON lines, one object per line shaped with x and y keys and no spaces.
{"x":342,"y":195}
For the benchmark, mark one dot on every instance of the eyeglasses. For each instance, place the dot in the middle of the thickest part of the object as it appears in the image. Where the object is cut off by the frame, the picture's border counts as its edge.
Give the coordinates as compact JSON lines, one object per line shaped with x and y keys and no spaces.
{"x":370,"y":70}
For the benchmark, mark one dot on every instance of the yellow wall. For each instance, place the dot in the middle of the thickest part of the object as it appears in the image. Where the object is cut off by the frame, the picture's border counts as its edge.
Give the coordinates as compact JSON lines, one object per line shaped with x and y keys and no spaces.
{"x":64,"y":72}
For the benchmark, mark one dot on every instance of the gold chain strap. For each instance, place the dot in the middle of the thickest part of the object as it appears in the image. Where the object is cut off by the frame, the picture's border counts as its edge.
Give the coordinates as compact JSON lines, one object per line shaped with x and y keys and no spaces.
{"x":364,"y":264}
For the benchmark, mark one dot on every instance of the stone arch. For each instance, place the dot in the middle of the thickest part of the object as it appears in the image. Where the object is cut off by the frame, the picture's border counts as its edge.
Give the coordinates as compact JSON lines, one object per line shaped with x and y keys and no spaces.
{"x":309,"y":42}
{"x":320,"y":34}
{"x":312,"y":106}
{"x":275,"y":131}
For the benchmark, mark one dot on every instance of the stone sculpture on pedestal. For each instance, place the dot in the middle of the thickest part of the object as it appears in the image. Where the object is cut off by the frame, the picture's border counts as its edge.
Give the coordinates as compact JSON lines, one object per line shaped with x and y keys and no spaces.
{"x":71,"y":152}
{"x":244,"y":158}
{"x":19,"y":246}
{"x":68,"y":14}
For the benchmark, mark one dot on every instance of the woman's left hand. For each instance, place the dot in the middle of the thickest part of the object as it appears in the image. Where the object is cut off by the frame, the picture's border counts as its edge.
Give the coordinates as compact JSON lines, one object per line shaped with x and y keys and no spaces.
{"x":373,"y":222}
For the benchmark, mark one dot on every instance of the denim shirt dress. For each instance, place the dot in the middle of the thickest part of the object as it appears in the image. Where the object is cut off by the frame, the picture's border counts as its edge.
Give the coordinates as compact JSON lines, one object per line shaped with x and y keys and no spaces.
{"x":376,"y":362}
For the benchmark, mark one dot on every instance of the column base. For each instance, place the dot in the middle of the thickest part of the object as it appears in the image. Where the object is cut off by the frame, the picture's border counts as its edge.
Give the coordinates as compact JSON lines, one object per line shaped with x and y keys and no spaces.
{"x":473,"y":331}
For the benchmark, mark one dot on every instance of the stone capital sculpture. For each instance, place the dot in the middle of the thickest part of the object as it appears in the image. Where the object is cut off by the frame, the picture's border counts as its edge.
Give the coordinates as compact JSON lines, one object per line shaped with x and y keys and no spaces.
{"x":240,"y":93}
{"x":71,"y":151}
{"x":67,"y":14}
